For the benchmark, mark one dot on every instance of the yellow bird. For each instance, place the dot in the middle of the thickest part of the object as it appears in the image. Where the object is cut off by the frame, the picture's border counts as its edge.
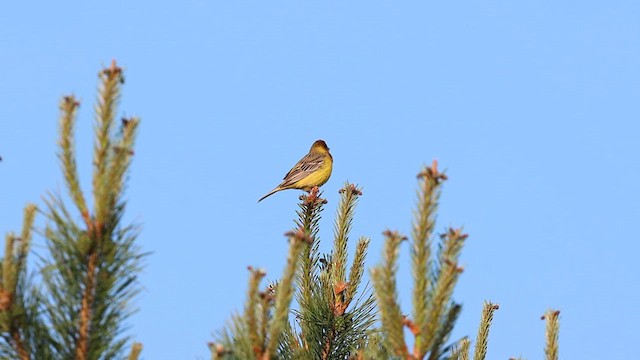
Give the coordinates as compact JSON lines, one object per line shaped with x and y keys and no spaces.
{"x":314,"y":169}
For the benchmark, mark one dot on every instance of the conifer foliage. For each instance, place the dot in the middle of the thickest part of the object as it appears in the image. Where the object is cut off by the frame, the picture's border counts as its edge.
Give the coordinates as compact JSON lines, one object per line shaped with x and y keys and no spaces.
{"x":332,"y":318}
{"x":336,"y":319}
{"x":88,"y":276}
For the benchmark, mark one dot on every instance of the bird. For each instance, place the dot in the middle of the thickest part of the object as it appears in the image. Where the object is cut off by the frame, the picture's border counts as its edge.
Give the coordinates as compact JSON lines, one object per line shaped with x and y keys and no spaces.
{"x":314,"y":169}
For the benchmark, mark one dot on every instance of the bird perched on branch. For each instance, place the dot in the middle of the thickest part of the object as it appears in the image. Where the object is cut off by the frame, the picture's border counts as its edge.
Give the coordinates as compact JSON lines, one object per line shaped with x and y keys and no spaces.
{"x":314,"y":169}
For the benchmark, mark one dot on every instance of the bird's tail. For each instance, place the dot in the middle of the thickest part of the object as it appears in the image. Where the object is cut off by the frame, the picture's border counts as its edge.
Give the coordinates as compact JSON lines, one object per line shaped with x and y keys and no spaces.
{"x":271,"y":193}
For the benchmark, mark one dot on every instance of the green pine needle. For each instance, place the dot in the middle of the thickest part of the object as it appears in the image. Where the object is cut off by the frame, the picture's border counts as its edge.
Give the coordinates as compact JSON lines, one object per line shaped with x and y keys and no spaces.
{"x":552,"y":318}
{"x":384,"y":282}
{"x":357,"y":268}
{"x":424,"y":222}
{"x":346,"y":208}
{"x":483,"y":330}
{"x":284,"y":292}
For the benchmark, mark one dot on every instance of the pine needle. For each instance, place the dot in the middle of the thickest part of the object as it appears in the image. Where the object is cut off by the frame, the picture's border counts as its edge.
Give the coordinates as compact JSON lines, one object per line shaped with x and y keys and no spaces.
{"x":552,"y":318}
{"x":483,"y":330}
{"x":111,"y":79}
{"x":461,"y":351}
{"x":136,"y":349}
{"x":284,"y":293}
{"x":251,"y":310}
{"x":68,"y":109}
{"x":423,"y":224}
{"x":357,"y":268}
{"x":384,"y":282}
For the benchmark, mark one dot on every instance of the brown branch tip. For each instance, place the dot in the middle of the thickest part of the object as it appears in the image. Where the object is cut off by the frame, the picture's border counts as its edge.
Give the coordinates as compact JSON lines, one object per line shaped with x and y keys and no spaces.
{"x":454,"y":264}
{"x":433,"y":173}
{"x":257,"y":272}
{"x":114,"y":71}
{"x":555,"y":314}
{"x":120,"y":148}
{"x":313,"y":197}
{"x":457,"y":233}
{"x":266,"y":296}
{"x":353,"y":189}
{"x":389,"y":233}
{"x":218,"y":348}
{"x":299,"y":235}
{"x":71,"y":101}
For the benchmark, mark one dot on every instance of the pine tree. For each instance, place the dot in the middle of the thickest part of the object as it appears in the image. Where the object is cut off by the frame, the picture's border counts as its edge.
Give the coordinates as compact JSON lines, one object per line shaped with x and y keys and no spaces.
{"x":88,"y":277}
{"x":329,"y":324}
{"x":74,"y":303}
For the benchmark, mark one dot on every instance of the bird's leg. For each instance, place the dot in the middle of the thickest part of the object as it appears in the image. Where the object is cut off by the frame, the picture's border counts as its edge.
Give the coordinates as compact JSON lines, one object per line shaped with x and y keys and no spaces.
{"x":313,"y":193}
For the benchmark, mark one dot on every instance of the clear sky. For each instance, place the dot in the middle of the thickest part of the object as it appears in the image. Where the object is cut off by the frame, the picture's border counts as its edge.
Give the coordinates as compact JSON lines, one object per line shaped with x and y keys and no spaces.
{"x":533,"y":107}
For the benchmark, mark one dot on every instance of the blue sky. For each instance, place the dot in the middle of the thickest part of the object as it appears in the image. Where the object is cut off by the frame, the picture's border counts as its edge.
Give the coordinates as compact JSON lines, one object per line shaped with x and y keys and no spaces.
{"x":531,"y":106}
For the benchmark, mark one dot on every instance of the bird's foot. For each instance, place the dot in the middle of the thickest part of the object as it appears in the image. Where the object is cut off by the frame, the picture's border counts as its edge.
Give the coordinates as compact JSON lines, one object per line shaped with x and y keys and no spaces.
{"x":313,"y":196}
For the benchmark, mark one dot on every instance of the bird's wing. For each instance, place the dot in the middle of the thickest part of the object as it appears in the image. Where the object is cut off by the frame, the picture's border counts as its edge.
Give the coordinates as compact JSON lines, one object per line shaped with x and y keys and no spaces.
{"x":307,"y":165}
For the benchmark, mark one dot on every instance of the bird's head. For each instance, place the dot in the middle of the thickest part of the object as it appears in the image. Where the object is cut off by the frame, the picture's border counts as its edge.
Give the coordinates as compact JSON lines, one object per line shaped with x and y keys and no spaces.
{"x":319,"y":146}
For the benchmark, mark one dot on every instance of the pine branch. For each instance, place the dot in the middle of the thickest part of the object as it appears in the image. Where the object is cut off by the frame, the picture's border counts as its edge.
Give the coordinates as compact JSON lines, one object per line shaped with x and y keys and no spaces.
{"x":483,"y":330}
{"x":13,"y":316}
{"x":552,"y":318}
{"x":236,"y":341}
{"x":85,"y":310}
{"x":329,"y":324}
{"x":344,"y":218}
{"x":461,"y":351}
{"x":68,"y":109}
{"x":104,"y":192}
{"x":423,"y":225}
{"x":384,"y":283}
{"x":25,"y":237}
{"x":136,"y":349}
{"x":251,"y":309}
{"x":121,"y":160}
{"x":109,"y":94}
{"x":308,"y":217}
{"x":311,"y":207}
{"x":9,"y":276}
{"x":267,"y":300}
{"x":444,"y":331}
{"x":285,"y":290}
{"x":93,"y":267}
{"x":445,"y":281}
{"x":289,"y":347}
{"x":372,"y":348}
{"x":13,"y":264}
{"x":357,"y":268}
